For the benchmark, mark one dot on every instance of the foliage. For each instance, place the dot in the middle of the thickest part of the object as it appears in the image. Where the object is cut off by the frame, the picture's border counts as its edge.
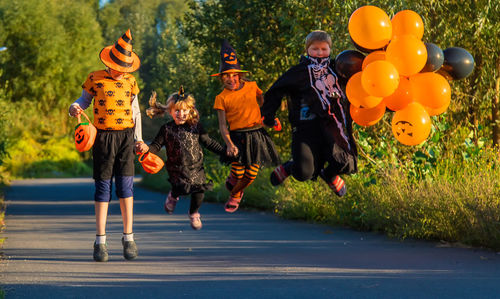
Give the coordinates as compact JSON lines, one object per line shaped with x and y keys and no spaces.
{"x":54,"y":157}
{"x":458,"y":202}
{"x":426,"y":191}
{"x":48,"y":52}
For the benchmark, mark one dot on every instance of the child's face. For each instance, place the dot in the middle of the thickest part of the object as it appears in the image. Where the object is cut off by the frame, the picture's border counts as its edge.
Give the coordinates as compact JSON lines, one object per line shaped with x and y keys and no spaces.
{"x":231,"y":81}
{"x":319,"y":49}
{"x":180,"y":115}
{"x":116,"y":75}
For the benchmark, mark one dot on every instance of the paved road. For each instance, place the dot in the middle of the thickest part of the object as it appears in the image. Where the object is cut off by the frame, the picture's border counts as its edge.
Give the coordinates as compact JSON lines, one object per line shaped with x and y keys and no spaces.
{"x":50,"y":231}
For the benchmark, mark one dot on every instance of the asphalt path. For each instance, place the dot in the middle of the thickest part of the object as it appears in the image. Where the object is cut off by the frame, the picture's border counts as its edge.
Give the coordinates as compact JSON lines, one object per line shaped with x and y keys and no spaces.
{"x":50,"y":229}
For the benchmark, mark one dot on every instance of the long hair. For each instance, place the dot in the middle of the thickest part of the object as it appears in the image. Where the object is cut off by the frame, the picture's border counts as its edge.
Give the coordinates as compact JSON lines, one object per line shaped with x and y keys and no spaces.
{"x":177,"y":101}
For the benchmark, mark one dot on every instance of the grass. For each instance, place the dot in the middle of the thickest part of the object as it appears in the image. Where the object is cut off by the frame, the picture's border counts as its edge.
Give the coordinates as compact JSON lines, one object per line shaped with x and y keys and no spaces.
{"x":458,"y":202}
{"x":53,"y":157}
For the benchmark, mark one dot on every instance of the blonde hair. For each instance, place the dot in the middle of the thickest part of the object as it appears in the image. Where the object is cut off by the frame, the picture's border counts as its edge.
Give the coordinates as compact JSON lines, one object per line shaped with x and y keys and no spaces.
{"x":174,"y":101}
{"x":318,"y":36}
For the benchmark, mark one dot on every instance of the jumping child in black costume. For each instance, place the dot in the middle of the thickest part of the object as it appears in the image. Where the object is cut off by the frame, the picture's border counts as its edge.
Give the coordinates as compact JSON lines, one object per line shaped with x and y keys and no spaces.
{"x":319,"y":115}
{"x":183,"y":137}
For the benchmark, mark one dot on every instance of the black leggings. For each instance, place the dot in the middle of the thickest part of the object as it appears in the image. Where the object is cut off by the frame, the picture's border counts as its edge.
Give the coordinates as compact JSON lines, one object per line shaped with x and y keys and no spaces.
{"x":312,"y":147}
{"x":196,"y":200}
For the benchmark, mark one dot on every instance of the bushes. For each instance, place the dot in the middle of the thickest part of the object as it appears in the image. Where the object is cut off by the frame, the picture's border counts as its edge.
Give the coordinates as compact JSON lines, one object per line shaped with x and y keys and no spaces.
{"x":459,"y":201}
{"x":57,"y":157}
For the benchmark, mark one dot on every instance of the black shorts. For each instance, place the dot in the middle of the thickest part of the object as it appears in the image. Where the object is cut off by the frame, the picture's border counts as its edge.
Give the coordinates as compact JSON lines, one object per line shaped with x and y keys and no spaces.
{"x":113,"y":154}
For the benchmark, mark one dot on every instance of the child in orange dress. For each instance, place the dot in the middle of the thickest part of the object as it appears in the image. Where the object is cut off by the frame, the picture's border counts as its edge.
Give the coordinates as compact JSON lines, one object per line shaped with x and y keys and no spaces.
{"x":239,"y":106}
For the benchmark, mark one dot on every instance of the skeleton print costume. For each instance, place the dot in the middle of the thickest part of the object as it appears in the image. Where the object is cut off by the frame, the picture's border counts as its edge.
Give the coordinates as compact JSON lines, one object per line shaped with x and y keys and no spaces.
{"x":319,"y":114}
{"x":185,"y":155}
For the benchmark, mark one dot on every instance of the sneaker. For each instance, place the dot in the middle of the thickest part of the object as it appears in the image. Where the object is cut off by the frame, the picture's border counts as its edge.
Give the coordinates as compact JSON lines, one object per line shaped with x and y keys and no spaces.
{"x":130,"y":251}
{"x":337,"y":185}
{"x":195,"y":219}
{"x":280,"y":173}
{"x":100,"y":252}
{"x":170,"y":203}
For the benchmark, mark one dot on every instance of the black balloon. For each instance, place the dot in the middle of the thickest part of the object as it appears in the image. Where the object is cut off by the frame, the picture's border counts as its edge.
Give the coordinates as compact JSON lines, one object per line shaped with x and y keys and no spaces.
{"x":365,"y":50}
{"x":458,"y":63}
{"x":435,"y":58}
{"x":348,"y":63}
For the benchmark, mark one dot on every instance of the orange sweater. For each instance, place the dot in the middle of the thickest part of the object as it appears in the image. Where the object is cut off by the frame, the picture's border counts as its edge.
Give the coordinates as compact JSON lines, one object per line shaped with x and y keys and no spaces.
{"x":112,"y":100}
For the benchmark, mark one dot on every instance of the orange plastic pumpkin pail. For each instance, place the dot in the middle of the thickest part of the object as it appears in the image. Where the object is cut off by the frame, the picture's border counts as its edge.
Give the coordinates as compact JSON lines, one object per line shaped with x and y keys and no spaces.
{"x":85,"y":133}
{"x":151,"y":162}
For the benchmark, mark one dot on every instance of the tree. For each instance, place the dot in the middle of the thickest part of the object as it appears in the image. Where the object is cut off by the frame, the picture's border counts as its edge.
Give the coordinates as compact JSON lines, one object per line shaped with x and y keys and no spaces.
{"x":48,"y":53}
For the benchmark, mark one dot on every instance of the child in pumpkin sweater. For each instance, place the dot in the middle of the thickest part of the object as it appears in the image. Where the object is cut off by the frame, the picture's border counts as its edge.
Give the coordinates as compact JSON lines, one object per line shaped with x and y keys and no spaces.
{"x":183,"y":138}
{"x":117,"y":118}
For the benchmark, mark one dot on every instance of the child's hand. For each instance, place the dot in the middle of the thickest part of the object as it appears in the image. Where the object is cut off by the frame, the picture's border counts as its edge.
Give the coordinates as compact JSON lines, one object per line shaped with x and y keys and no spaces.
{"x":232,"y":150}
{"x":75,"y":110}
{"x":141,"y":147}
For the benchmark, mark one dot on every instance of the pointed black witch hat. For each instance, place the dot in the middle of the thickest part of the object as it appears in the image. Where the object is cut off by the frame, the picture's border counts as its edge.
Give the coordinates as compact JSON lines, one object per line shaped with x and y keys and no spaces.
{"x":228,"y":60}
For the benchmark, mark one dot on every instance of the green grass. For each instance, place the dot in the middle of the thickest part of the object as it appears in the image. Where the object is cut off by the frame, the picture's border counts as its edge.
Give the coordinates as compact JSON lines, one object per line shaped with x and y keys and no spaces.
{"x":458,"y":201}
{"x":52,"y":157}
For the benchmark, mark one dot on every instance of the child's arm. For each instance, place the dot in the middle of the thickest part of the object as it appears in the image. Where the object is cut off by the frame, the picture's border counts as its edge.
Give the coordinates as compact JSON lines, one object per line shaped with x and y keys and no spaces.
{"x":136,"y":116}
{"x":210,"y":143}
{"x":272,"y":99}
{"x":157,"y":143}
{"x":231,"y":150}
{"x":82,"y":103}
{"x":260,"y":99}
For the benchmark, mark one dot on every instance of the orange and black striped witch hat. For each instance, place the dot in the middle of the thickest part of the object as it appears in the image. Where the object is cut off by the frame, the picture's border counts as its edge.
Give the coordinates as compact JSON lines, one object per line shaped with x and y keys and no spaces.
{"x":120,"y":56}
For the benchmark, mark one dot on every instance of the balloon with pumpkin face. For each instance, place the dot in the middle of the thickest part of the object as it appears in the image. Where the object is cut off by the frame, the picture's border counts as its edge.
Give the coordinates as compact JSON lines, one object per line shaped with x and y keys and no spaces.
{"x":411,"y":125}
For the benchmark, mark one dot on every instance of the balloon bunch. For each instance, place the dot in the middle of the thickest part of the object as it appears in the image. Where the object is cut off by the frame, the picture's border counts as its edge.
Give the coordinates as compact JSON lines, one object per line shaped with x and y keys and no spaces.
{"x":400,"y":72}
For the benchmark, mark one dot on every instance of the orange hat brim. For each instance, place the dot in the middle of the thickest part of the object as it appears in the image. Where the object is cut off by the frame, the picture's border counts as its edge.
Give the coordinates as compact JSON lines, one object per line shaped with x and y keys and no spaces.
{"x":229,"y":71}
{"x":106,"y":59}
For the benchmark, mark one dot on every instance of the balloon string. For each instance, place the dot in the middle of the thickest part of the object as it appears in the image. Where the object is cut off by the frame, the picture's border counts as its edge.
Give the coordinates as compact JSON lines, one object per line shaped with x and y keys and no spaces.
{"x":365,"y":155}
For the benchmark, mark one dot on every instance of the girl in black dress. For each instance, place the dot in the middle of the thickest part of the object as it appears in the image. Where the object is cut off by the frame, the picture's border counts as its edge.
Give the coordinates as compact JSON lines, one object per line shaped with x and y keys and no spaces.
{"x":183,"y":137}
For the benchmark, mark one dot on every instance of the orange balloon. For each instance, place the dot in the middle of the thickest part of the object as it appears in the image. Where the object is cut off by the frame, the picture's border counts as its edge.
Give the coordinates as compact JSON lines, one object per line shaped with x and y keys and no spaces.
{"x":401,"y":97}
{"x":407,"y":22}
{"x":357,"y":95}
{"x":431,"y":90}
{"x":373,"y":56}
{"x":370,"y":27}
{"x":407,"y":53}
{"x":436,"y":111}
{"x":367,"y":116}
{"x":411,"y":125}
{"x":380,"y":78}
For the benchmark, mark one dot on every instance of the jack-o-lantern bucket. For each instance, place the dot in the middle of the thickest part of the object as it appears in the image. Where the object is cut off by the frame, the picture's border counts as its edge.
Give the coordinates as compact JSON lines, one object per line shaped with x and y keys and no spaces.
{"x":85,"y":133}
{"x":151,"y":162}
